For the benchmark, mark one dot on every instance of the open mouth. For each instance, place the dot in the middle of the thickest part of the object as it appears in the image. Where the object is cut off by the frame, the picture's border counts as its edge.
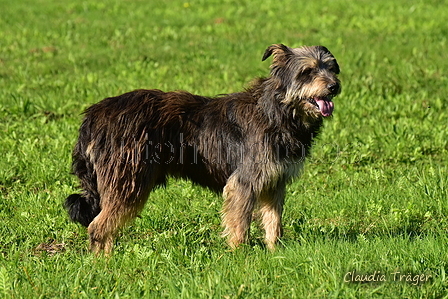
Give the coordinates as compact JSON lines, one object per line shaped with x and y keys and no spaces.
{"x":324,"y":104}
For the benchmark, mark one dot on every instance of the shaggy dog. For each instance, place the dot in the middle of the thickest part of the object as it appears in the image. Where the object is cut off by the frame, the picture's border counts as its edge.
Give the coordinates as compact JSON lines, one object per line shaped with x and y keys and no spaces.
{"x":247,"y":145}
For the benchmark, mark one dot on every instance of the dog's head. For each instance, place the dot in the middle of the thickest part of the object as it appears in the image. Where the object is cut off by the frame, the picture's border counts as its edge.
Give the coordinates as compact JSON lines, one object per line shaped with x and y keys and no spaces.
{"x":306,"y":78}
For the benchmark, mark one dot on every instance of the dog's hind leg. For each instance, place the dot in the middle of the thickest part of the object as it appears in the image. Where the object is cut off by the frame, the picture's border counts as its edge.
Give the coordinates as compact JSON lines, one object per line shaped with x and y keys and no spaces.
{"x":239,"y":202}
{"x":103,"y":229}
{"x":115,"y":213}
{"x":120,"y":203}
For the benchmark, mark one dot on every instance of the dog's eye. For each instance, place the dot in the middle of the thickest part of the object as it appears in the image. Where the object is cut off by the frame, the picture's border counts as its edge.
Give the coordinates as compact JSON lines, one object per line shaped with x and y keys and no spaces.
{"x":306,"y":72}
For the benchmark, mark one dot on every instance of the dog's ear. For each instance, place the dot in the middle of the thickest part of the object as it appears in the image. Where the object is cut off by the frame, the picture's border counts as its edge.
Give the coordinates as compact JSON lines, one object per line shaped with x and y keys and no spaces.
{"x":278,"y":50}
{"x":336,"y":68}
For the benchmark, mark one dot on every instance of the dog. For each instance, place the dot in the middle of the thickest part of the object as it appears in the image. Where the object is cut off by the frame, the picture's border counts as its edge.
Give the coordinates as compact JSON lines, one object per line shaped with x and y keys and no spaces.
{"x":247,"y":145}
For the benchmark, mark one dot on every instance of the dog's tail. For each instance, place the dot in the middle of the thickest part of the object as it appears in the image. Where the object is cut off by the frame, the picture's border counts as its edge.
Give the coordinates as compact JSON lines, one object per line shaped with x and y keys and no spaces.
{"x":81,"y":209}
{"x":84,"y":207}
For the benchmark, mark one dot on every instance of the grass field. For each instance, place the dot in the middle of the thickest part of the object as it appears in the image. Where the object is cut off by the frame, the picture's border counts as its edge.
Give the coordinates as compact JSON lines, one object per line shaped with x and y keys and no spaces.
{"x":372,"y":203}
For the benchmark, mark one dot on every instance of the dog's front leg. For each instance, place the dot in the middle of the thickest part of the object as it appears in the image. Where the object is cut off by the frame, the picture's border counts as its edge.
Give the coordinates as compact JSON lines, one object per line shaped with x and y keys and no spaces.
{"x":271,"y":208}
{"x":239,"y":202}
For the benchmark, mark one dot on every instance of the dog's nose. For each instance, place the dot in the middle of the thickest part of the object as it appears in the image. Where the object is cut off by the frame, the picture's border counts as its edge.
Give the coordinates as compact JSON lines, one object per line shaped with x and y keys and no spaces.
{"x":333,"y":87}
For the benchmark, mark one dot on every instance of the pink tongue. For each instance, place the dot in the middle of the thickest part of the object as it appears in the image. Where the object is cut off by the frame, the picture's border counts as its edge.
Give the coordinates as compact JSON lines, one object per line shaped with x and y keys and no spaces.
{"x":326,"y":107}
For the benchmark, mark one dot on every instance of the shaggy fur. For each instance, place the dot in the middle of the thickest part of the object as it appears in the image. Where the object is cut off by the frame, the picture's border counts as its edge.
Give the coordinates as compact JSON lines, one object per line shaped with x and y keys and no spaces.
{"x":247,"y":145}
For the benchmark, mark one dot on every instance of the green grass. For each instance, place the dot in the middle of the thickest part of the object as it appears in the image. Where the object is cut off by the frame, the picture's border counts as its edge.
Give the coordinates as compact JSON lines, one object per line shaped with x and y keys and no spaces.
{"x":372,"y":198}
